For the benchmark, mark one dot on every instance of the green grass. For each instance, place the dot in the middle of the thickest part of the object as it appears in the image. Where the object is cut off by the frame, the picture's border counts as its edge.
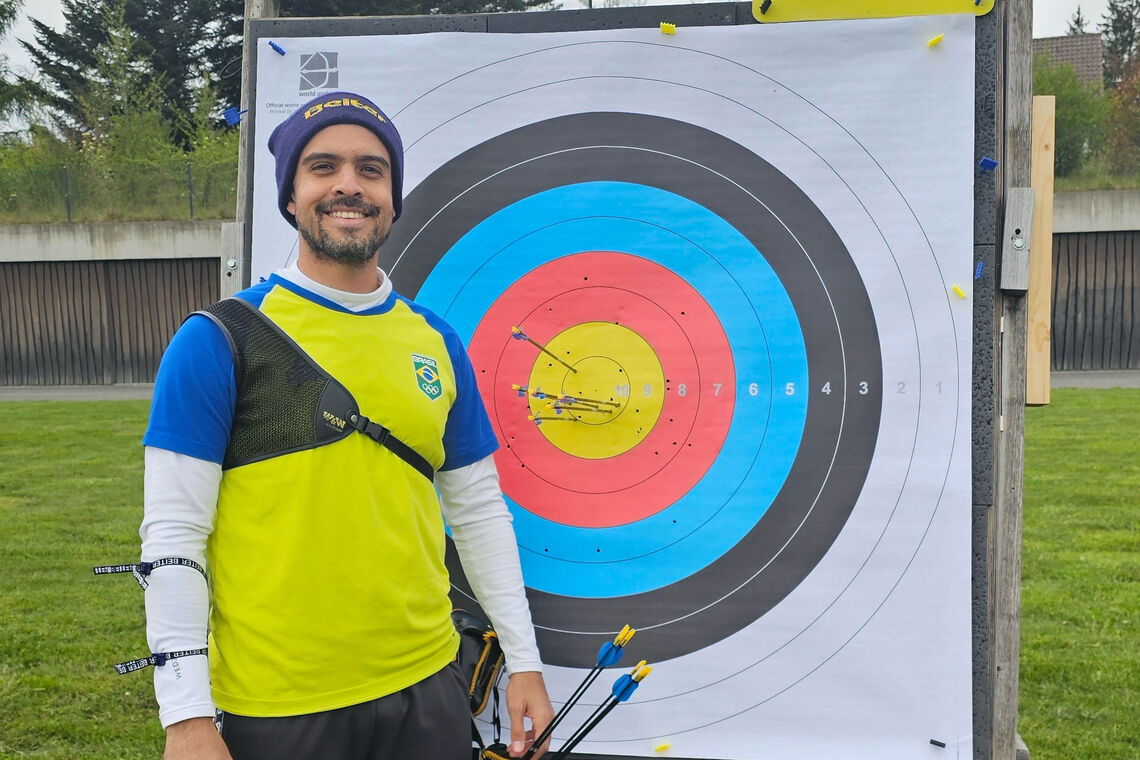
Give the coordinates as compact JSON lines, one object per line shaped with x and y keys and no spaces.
{"x":70,"y":494}
{"x":1095,"y":174}
{"x":1080,"y":634}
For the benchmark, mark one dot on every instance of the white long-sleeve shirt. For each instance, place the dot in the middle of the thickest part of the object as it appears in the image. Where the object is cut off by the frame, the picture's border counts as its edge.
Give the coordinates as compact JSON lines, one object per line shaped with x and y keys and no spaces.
{"x":180,"y":503}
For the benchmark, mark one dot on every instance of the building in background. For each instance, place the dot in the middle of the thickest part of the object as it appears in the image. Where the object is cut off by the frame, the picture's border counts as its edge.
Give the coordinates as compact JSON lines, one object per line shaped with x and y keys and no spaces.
{"x":1084,"y":52}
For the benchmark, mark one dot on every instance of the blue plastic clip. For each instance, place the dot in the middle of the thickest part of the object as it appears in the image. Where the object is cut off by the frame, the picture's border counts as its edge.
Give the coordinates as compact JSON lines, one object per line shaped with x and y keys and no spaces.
{"x":277,"y":47}
{"x":978,"y":270}
{"x":233,"y":116}
{"x":988,"y":164}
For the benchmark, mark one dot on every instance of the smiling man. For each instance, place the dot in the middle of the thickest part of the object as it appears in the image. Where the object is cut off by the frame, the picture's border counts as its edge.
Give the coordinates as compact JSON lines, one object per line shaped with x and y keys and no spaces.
{"x":297,"y":437}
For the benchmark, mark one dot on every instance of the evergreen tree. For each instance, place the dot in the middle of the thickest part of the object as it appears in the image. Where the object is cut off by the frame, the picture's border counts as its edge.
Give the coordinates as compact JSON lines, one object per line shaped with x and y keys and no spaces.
{"x":122,"y":86}
{"x":1078,"y":24}
{"x":11,"y":94}
{"x":1120,"y":29}
{"x":180,"y":41}
{"x":222,"y":51}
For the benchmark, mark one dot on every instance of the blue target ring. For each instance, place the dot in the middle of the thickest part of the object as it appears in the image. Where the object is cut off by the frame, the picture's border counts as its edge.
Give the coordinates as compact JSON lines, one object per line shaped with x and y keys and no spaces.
{"x":697,"y":204}
{"x":762,"y":328}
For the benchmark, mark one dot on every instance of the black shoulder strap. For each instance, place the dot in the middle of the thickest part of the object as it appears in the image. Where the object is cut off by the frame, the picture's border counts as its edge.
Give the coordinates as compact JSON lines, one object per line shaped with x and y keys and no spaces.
{"x":310,"y":407}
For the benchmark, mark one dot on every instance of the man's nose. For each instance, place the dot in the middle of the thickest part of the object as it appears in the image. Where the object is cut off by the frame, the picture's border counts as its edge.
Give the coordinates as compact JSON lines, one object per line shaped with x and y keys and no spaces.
{"x":347,"y":182}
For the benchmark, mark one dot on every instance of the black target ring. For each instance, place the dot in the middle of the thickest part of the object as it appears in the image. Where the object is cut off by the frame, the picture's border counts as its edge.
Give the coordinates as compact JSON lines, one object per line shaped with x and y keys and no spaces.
{"x":835,"y":317}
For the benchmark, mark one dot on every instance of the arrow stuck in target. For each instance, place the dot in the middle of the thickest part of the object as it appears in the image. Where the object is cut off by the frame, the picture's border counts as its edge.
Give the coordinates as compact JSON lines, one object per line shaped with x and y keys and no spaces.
{"x":518,"y":334}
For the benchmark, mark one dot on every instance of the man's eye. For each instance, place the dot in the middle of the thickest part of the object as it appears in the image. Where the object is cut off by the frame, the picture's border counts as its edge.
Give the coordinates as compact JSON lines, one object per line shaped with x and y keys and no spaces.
{"x":377,"y":170}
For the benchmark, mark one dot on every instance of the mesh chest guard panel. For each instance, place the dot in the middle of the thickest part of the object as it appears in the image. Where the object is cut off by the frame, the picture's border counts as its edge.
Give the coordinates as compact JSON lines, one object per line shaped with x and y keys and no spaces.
{"x":285,"y":401}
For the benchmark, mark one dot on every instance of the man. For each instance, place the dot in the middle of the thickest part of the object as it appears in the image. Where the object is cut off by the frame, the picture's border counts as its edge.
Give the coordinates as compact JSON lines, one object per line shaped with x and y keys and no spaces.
{"x":329,"y":624}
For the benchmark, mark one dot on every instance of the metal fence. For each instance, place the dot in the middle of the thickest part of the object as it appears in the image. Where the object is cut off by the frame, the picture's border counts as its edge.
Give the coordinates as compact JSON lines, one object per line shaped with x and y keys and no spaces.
{"x":118,"y":191}
{"x":1096,"y":301}
{"x":95,"y":322}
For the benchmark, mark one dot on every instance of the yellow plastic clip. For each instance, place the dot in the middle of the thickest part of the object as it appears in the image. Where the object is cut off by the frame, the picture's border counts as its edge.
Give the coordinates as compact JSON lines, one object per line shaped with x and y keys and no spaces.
{"x":961,"y":293}
{"x":935,"y":40}
{"x":662,"y":747}
{"x":667,"y":28}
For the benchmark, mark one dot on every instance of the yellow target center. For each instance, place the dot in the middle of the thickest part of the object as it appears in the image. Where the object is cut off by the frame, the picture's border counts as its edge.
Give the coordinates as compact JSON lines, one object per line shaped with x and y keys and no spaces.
{"x":603,"y":387}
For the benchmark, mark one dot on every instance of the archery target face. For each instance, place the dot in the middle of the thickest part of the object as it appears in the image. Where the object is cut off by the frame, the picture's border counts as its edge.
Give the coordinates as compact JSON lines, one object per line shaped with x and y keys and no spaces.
{"x":711,"y":321}
{"x":606,"y":273}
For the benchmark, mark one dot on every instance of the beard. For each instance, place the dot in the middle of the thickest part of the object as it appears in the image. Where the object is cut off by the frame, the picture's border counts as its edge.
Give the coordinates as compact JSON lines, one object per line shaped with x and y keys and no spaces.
{"x":354,"y":247}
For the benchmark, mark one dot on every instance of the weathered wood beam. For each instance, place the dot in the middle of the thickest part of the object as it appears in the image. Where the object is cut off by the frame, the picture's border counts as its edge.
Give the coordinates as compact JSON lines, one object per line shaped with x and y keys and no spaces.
{"x":1016,"y":135}
{"x":235,"y":272}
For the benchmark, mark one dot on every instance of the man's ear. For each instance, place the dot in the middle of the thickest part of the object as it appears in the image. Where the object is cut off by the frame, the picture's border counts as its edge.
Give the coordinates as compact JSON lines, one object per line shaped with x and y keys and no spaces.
{"x":291,"y":206}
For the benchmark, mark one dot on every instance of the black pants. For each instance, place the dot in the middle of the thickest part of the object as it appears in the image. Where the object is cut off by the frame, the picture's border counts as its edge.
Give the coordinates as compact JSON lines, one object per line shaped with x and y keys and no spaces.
{"x":430,"y":719}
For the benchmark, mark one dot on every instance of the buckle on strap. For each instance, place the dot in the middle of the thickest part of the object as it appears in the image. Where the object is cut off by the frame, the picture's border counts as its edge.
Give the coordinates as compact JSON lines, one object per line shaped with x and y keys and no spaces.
{"x":384,"y":437}
{"x":373,"y":430}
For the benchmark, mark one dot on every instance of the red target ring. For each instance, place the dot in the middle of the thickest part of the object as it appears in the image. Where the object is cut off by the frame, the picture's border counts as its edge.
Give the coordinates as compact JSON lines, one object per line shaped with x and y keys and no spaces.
{"x":689,"y":341}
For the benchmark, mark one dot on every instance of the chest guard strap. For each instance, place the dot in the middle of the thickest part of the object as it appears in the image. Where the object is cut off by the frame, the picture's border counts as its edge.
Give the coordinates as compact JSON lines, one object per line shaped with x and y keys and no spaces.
{"x":287,"y":402}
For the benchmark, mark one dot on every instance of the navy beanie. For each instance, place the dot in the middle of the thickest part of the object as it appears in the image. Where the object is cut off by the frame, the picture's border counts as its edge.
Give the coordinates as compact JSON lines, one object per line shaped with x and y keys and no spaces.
{"x":293,"y":134}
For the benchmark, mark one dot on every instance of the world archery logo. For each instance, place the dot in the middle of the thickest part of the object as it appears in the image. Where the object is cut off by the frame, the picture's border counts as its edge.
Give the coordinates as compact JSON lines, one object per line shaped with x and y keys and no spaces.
{"x":319,"y":71}
{"x":427,"y":373}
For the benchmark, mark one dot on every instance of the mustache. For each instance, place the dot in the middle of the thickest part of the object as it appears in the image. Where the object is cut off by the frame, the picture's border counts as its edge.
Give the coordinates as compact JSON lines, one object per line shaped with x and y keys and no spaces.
{"x":343,"y":204}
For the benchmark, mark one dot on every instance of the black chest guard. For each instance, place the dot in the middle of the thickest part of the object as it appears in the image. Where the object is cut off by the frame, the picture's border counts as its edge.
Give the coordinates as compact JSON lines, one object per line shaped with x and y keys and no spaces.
{"x":285,"y":401}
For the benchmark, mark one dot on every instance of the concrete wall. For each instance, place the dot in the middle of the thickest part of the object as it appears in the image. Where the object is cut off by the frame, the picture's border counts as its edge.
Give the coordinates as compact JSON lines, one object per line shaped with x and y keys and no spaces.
{"x":1096,"y":211}
{"x":113,"y":241}
{"x":1085,"y":211}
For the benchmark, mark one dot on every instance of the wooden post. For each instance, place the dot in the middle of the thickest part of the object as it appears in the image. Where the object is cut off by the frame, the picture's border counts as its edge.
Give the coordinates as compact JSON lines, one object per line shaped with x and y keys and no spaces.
{"x":1041,"y":259}
{"x":234,"y":278}
{"x":1009,"y":461}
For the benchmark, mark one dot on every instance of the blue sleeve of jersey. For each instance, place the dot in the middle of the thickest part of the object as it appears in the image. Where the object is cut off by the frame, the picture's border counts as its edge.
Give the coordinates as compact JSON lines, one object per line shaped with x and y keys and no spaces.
{"x":194,"y":393}
{"x":468,"y":436}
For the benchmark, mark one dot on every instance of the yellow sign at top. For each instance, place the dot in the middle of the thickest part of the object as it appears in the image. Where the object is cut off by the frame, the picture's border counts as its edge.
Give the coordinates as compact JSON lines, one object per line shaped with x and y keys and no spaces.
{"x":769,"y":11}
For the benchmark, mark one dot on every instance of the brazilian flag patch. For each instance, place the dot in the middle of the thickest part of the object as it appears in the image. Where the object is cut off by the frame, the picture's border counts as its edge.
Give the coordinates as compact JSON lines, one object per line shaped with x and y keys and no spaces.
{"x":427,"y":375}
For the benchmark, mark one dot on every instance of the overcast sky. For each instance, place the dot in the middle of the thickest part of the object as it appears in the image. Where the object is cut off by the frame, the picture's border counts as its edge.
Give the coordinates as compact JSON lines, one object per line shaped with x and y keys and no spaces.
{"x":1050,"y":18}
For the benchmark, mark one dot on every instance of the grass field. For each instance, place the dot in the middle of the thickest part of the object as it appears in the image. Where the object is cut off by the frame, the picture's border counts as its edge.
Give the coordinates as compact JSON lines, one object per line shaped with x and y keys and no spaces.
{"x":70,"y":489}
{"x":1080,"y":633}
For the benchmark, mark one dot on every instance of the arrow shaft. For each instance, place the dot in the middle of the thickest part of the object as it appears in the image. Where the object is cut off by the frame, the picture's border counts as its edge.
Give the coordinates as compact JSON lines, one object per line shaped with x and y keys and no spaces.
{"x":574,"y":408}
{"x":564,"y":710}
{"x":592,"y":400}
{"x":544,"y":350}
{"x":589,"y":725}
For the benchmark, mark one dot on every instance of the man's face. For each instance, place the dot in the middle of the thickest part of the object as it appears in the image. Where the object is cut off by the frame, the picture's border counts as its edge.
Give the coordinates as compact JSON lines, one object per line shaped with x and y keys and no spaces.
{"x":342,"y":194}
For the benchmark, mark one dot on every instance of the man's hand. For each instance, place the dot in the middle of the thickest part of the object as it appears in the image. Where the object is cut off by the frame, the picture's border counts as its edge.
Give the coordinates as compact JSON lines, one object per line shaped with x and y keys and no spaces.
{"x":527,"y":697}
{"x":195,"y":739}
